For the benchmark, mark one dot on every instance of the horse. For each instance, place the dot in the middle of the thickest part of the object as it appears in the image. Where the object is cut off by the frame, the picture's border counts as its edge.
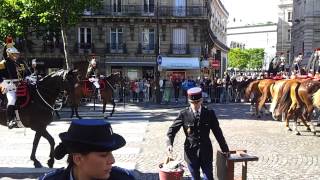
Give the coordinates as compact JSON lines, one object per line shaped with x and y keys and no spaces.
{"x":239,"y":87}
{"x":107,"y":88}
{"x":297,"y":101}
{"x":259,"y":90}
{"x":38,"y":113}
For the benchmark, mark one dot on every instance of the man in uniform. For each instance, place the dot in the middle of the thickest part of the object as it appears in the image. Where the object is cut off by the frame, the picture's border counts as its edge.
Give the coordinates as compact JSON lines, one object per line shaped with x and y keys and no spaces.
{"x":197,"y":121}
{"x":297,"y":62}
{"x":282,"y":63}
{"x":12,"y":72}
{"x":92,"y":73}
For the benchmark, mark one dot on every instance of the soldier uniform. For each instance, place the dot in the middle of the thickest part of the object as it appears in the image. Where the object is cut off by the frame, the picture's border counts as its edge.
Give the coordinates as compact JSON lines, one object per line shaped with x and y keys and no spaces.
{"x":196,"y":125}
{"x":12,"y":71}
{"x":92,"y":73}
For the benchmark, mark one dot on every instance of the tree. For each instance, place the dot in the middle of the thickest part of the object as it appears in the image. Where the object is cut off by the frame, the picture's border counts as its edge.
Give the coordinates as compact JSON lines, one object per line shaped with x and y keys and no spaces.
{"x":20,"y":17}
{"x":247,"y":58}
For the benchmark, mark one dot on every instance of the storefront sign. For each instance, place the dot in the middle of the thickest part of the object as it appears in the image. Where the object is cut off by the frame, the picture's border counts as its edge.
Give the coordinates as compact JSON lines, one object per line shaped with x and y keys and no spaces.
{"x":215,"y":64}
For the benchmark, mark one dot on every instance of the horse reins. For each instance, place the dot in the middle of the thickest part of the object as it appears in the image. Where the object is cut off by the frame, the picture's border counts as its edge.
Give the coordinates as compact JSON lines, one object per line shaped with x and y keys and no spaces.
{"x":113,"y":89}
{"x":51,"y":107}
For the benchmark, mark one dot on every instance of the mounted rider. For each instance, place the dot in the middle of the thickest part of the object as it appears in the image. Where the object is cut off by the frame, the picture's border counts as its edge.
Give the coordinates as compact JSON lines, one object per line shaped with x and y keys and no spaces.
{"x":297,"y":63}
{"x":12,"y":72}
{"x":93,"y":74}
{"x":282,"y":63}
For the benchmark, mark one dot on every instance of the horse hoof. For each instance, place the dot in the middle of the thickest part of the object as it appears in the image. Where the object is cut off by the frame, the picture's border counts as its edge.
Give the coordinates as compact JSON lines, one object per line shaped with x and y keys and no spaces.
{"x":308,"y":129}
{"x":106,"y":117}
{"x":289,"y":129}
{"x":37,"y":164}
{"x":298,"y":134}
{"x":50,"y":163}
{"x":79,"y":117}
{"x":314,"y":133}
{"x":259,"y":117}
{"x":110,"y":115}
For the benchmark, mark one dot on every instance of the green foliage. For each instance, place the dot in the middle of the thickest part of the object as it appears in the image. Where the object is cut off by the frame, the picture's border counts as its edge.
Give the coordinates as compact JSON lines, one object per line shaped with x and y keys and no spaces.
{"x":246,"y":59}
{"x":21,"y":17}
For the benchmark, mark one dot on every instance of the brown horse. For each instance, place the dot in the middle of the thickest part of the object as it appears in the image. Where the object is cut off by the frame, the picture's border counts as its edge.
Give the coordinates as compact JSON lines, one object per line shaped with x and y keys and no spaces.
{"x":38,"y":113}
{"x":107,"y":89}
{"x":259,"y":92}
{"x":297,"y":101}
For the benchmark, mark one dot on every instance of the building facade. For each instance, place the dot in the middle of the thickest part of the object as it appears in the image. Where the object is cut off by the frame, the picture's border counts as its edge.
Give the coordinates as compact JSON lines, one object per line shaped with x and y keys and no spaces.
{"x":255,"y":36}
{"x":128,"y":37}
{"x":284,"y":29}
{"x":305,"y":28}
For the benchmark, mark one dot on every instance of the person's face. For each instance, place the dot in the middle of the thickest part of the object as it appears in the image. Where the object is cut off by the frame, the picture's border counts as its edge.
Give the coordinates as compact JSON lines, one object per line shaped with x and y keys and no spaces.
{"x":14,"y":56}
{"x":33,"y":65}
{"x":95,"y":165}
{"x":195,"y":105}
{"x":94,"y":64}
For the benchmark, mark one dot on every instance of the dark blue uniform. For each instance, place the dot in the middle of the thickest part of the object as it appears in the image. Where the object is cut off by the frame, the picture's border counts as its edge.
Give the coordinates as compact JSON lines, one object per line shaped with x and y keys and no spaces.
{"x":197,"y":146}
{"x":117,"y":173}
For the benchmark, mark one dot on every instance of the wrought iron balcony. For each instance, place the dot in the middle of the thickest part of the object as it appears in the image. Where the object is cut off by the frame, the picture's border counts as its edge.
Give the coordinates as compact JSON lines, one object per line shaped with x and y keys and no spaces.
{"x":150,"y":10}
{"x":116,"y":48}
{"x":84,"y":48}
{"x":179,"y":49}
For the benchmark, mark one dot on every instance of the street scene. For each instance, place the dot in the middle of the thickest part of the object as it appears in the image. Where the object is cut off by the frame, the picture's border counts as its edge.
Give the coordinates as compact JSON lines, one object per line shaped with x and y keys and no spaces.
{"x":168,"y":90}
{"x":282,"y":155}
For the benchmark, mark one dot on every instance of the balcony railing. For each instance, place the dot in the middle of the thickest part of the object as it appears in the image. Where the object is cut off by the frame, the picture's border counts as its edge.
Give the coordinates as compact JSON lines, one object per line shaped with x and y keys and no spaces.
{"x":138,"y":10}
{"x":116,"y":48}
{"x":179,"y":49}
{"x":146,"y":48}
{"x":84,"y":48}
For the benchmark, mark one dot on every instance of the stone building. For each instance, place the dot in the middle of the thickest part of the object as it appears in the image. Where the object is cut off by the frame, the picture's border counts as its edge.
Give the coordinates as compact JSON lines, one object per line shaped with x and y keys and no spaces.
{"x":284,"y":28}
{"x":123,"y":37}
{"x":305,"y":27}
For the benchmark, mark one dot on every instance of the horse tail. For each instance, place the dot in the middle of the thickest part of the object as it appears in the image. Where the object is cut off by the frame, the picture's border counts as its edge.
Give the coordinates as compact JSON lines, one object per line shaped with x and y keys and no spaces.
{"x":248,"y":91}
{"x":285,"y":100}
{"x":316,"y":99}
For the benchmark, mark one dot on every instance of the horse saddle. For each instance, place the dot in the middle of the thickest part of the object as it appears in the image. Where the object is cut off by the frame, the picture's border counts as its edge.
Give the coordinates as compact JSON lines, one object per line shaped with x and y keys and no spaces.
{"x":88,"y":86}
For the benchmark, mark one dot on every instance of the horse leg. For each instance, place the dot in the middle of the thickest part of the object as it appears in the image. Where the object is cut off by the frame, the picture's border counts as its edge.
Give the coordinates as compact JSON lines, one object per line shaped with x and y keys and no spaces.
{"x":114,"y":105}
{"x":295,"y":129}
{"x":287,"y":121}
{"x":77,"y":113}
{"x":104,"y":109}
{"x":50,"y":139}
{"x":72,"y":111}
{"x":36,"y":140}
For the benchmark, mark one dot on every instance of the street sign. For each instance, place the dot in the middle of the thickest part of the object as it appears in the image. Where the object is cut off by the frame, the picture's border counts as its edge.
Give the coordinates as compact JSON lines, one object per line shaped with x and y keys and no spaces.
{"x":215,"y":64}
{"x":159,"y":59}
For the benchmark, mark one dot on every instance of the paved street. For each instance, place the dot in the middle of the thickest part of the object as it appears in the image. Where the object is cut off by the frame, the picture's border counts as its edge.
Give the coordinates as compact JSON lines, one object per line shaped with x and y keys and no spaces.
{"x":282,"y":155}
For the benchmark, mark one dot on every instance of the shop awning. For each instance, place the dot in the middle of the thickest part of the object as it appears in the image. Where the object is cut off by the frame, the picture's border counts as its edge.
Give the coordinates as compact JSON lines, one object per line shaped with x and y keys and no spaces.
{"x":180,"y":63}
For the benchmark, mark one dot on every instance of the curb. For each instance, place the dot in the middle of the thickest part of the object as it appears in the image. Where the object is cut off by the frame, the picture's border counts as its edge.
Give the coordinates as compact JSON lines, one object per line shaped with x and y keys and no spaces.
{"x":21,"y":172}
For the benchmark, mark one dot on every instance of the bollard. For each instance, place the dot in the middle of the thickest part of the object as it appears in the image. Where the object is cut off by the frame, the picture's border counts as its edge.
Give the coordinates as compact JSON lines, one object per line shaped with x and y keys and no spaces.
{"x":225,"y":165}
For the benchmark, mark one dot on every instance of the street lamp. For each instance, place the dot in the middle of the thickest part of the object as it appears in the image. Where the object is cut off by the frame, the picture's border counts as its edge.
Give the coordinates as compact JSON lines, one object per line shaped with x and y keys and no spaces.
{"x":157,"y":73}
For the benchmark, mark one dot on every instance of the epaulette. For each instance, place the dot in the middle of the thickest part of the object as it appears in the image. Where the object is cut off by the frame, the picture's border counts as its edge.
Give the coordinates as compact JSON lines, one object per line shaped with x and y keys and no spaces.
{"x":52,"y":173}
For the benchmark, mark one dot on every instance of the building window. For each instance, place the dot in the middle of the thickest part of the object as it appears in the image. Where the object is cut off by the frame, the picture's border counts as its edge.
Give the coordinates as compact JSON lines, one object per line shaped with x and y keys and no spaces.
{"x":84,"y":38}
{"x":116,"y":39}
{"x":148,"y":39}
{"x":179,"y":44}
{"x":116,"y":6}
{"x":179,"y":8}
{"x":289,"y":34}
{"x":148,"y":6}
{"x":289,"y":16}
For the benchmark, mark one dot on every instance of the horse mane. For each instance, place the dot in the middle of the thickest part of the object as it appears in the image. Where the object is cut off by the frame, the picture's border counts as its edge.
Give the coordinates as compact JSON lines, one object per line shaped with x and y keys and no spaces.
{"x":316,"y":99}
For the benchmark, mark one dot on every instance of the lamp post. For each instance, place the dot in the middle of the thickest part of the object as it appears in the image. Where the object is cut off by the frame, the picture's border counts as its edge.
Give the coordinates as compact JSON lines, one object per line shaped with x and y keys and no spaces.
{"x":157,"y":73}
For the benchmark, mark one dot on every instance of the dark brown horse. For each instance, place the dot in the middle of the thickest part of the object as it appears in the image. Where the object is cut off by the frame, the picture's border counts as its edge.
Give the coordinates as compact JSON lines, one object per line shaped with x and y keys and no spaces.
{"x":107,"y":88}
{"x":38,"y":114}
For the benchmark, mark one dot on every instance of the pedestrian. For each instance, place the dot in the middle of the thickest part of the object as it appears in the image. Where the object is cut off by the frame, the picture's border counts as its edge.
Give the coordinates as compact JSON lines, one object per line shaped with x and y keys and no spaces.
{"x":197,"y":121}
{"x":89,"y":144}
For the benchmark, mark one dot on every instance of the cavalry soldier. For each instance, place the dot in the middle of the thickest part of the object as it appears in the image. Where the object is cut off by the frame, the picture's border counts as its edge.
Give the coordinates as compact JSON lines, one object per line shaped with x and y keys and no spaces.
{"x":92,"y":73}
{"x":12,"y":71}
{"x":297,"y":62}
{"x":282,"y":63}
{"x":197,"y":121}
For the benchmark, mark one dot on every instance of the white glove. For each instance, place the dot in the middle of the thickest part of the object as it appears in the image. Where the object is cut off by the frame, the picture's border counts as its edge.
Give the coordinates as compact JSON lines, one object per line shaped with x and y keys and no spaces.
{"x":170,"y":149}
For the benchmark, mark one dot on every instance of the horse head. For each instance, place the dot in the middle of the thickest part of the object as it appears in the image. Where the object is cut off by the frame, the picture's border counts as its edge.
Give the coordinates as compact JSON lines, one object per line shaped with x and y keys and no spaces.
{"x":115,"y":78}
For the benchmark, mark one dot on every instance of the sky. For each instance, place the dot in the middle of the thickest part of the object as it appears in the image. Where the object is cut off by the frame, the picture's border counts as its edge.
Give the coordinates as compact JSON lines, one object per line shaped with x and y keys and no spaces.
{"x":252,"y":11}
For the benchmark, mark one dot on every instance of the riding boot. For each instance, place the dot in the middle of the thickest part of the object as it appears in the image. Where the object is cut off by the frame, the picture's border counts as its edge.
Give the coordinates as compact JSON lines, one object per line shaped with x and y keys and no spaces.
{"x":10,"y":117}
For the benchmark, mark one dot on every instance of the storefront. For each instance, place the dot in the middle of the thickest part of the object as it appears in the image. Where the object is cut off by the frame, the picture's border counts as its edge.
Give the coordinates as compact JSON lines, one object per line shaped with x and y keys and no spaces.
{"x":179,"y":67}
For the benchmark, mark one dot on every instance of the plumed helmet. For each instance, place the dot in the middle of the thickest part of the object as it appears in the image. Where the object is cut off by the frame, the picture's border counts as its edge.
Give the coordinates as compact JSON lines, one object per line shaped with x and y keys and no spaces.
{"x":12,"y":50}
{"x":34,"y":61}
{"x":93,"y":61}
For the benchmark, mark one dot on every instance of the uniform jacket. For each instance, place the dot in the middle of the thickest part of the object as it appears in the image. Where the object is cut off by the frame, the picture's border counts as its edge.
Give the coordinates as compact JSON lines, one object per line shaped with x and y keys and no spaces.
{"x":10,"y":67}
{"x":92,"y":72}
{"x":117,"y":173}
{"x":197,"y":143}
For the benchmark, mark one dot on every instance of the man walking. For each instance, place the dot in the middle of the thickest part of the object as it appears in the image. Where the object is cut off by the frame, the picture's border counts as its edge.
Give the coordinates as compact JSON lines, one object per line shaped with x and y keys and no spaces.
{"x":197,"y":121}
